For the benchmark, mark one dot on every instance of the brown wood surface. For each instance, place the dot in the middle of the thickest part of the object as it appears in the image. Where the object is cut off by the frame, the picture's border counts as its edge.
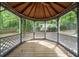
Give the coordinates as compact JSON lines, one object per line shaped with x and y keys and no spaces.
{"x":39,"y":10}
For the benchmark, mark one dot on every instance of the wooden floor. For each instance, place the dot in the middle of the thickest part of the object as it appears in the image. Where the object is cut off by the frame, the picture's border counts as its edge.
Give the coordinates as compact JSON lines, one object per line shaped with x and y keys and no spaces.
{"x":39,"y":48}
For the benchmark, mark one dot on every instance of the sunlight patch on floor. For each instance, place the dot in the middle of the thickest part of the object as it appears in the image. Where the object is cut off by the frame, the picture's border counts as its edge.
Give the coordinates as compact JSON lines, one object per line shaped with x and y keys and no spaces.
{"x":44,"y":43}
{"x":38,"y":48}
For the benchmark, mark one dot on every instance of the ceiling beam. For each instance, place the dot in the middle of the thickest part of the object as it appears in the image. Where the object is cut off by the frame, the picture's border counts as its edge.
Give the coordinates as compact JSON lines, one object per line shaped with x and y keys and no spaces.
{"x":18,"y":4}
{"x":60,"y":5}
{"x":44,"y":10}
{"x":26,"y":7}
{"x":35,"y":8}
{"x":31,"y":8}
{"x":52,"y":7}
{"x":48,"y":11}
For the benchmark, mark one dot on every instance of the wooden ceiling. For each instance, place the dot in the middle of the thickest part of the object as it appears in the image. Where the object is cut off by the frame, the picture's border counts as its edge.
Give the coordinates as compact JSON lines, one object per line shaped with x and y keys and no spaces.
{"x":39,"y":10}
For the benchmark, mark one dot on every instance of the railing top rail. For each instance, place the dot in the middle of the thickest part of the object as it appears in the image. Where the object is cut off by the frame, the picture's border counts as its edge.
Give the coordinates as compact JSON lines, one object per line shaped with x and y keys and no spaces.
{"x":10,"y":35}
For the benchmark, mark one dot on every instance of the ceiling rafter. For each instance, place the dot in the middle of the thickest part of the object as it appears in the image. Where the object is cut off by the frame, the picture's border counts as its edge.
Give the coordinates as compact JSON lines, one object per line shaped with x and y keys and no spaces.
{"x":48,"y":11}
{"x":60,"y":5}
{"x":41,"y":6}
{"x":44,"y":10}
{"x":31,"y":8}
{"x":26,"y":7}
{"x":35,"y":8}
{"x":18,"y":4}
{"x":52,"y":7}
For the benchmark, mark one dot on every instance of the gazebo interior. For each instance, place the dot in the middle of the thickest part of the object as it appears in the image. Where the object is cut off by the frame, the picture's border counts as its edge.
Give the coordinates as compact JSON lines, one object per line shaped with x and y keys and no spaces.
{"x":39,"y":29}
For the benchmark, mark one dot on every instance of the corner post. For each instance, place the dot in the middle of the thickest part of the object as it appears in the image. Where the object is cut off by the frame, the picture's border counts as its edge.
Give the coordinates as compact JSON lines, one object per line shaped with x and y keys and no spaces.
{"x":77,"y":28}
{"x":45,"y":30}
{"x":34,"y":30}
{"x":58,"y":30}
{"x":20,"y":29}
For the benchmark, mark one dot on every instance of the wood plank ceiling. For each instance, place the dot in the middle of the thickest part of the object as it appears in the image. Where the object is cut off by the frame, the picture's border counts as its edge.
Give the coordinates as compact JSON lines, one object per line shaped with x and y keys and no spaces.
{"x":39,"y":10}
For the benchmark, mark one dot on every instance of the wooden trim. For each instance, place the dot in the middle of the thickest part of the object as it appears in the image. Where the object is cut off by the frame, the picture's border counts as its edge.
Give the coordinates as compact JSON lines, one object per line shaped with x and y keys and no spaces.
{"x":73,"y":6}
{"x":18,"y":4}
{"x":60,"y":5}
{"x":9,"y":36}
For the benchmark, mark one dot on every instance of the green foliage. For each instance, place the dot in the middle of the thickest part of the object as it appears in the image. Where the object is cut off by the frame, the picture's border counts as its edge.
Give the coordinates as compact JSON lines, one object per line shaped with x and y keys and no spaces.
{"x":8,"y":21}
{"x":68,"y":21}
{"x":29,"y":26}
{"x":53,"y":27}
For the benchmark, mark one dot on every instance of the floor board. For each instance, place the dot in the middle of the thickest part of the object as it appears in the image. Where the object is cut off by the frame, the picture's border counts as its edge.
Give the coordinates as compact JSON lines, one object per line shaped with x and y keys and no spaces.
{"x":39,"y":48}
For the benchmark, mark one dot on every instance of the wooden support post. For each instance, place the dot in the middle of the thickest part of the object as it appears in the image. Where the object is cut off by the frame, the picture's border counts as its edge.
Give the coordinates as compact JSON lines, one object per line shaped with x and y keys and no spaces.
{"x":20,"y":27}
{"x":0,"y":39}
{"x":45,"y":30}
{"x":78,"y":28}
{"x":24,"y":26}
{"x":34,"y":30}
{"x":58,"y":29}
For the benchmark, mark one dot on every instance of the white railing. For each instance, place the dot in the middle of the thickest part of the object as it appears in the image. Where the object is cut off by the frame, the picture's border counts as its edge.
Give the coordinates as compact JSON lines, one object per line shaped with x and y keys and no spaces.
{"x":8,"y":42}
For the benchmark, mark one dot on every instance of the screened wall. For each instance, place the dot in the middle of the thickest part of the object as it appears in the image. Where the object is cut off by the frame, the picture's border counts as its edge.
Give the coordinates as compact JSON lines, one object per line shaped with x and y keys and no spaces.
{"x":51,"y":31}
{"x":27,"y":29}
{"x":9,"y":23}
{"x":9,"y":31}
{"x":39,"y":29}
{"x":68,"y":30}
